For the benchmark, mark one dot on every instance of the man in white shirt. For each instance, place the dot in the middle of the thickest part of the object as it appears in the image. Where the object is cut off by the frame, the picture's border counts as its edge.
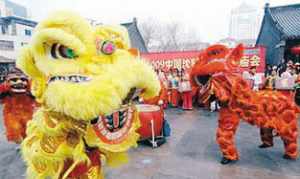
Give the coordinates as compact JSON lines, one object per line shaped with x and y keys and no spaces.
{"x":287,"y":73}
{"x":255,"y":77}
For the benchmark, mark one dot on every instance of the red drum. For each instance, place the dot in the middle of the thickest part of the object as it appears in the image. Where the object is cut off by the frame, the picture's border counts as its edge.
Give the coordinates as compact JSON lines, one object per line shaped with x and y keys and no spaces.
{"x":151,"y":118}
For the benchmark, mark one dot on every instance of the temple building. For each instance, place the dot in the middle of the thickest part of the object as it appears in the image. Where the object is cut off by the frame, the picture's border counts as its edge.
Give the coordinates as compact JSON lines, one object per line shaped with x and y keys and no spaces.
{"x":280,"y":33}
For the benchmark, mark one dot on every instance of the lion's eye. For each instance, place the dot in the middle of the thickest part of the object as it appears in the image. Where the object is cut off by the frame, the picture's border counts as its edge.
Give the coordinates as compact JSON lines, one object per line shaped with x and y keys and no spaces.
{"x":14,"y":79}
{"x":61,"y":51}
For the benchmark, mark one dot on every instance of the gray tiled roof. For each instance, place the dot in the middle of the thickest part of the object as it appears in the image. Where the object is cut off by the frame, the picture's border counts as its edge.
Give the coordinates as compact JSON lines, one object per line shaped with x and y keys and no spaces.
{"x":136,"y":38}
{"x":287,"y":19}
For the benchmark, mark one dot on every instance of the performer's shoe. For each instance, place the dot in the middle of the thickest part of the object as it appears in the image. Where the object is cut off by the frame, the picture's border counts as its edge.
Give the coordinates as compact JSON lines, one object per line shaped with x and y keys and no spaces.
{"x":263,"y":146}
{"x":287,"y":157}
{"x":225,"y":161}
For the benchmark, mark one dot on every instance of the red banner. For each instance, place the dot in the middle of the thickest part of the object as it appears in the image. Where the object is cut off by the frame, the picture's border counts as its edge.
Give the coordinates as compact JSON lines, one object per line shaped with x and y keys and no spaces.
{"x":254,"y":57}
{"x":185,"y":60}
{"x":172,"y":60}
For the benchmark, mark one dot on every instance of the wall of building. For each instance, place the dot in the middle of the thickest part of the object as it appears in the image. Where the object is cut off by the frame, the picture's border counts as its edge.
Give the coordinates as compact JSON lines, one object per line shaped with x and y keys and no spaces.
{"x":17,"y":35}
{"x":23,"y":30}
{"x":11,"y":51}
{"x":13,"y":34}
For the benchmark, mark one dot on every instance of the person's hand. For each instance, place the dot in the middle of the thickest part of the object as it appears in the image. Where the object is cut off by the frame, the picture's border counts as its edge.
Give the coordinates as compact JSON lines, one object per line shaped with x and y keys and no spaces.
{"x":160,"y":102}
{"x":141,"y":100}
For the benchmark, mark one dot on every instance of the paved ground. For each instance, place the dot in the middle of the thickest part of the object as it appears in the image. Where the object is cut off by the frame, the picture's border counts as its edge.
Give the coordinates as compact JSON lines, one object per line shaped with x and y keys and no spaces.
{"x":190,"y":153}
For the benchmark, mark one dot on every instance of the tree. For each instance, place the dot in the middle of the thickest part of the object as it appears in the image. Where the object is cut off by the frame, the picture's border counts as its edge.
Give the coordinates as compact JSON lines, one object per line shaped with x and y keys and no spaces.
{"x":148,"y":30}
{"x":171,"y":36}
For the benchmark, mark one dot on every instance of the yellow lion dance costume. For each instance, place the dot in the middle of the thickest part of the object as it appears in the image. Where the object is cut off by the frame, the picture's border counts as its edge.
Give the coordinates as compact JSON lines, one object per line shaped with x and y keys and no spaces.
{"x":84,"y":77}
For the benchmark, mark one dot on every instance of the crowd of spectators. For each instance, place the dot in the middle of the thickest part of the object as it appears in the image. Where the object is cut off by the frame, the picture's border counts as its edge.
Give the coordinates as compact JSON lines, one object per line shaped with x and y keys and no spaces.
{"x":179,"y":89}
{"x":289,"y":71}
{"x":180,"y":93}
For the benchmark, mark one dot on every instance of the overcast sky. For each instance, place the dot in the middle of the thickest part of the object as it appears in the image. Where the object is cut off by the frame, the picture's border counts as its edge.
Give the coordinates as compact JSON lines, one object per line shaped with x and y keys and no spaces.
{"x":209,"y":17}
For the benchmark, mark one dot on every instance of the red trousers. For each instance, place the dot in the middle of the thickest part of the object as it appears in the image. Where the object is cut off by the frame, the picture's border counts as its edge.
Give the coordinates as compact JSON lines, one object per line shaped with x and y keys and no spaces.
{"x":187,"y":100}
{"x":174,"y":97}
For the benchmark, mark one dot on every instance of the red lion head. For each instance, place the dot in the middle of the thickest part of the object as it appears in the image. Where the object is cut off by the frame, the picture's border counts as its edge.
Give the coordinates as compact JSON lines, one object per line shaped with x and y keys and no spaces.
{"x":213,"y":71}
{"x":17,"y":82}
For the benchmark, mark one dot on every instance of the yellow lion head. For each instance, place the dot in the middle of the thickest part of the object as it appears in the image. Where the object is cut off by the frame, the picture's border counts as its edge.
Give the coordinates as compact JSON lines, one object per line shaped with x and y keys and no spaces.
{"x":85,"y":78}
{"x":82,"y":71}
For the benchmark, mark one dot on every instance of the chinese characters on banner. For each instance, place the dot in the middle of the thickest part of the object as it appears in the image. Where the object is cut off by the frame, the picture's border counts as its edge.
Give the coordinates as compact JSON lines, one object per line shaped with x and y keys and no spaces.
{"x":172,"y":60}
{"x":178,"y":64}
{"x":185,"y":60}
{"x":253,"y":57}
{"x":249,"y":61}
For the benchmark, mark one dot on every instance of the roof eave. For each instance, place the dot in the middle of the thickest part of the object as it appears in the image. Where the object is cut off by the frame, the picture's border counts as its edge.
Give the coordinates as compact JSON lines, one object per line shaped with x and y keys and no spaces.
{"x":284,"y":6}
{"x":260,"y":30}
{"x":143,"y":41}
{"x":291,"y":37}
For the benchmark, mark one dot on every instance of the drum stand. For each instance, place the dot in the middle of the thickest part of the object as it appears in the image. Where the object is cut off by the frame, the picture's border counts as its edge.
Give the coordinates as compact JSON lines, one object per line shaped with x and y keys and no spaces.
{"x":158,"y":140}
{"x":153,"y":142}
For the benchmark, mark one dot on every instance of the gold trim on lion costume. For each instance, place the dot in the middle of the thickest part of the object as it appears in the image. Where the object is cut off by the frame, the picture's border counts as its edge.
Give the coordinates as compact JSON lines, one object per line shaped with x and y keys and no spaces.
{"x":83,"y":76}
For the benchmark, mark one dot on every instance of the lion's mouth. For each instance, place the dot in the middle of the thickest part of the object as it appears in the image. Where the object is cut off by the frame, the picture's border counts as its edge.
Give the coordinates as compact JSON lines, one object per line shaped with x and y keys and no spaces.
{"x":18,"y":88}
{"x":115,"y":127}
{"x":202,"y":79}
{"x":205,"y":94}
{"x":112,"y":128}
{"x":70,"y":78}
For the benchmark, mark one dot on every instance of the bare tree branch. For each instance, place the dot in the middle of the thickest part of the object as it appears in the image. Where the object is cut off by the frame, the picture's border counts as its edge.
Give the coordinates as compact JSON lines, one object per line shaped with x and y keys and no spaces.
{"x":171,"y":36}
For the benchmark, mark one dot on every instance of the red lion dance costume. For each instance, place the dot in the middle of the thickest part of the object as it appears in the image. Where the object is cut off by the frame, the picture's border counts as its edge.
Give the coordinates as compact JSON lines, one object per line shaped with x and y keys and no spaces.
{"x":265,"y":109}
{"x":18,"y":105}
